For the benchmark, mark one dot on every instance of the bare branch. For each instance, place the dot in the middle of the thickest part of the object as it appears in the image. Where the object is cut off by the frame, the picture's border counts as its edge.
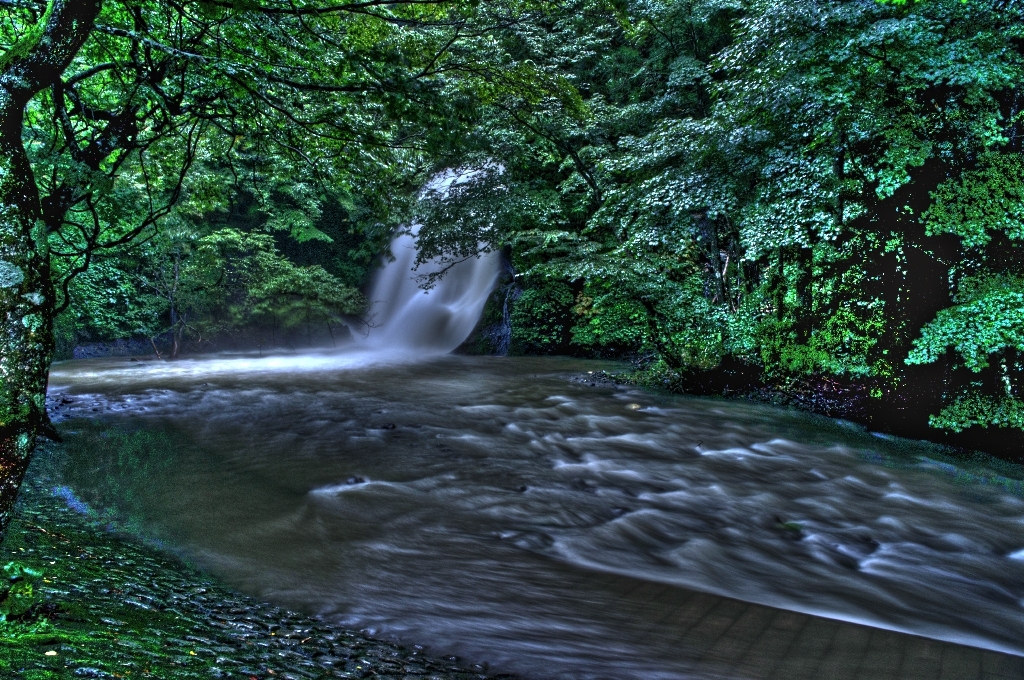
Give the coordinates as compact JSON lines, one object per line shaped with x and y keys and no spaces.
{"x":89,"y":73}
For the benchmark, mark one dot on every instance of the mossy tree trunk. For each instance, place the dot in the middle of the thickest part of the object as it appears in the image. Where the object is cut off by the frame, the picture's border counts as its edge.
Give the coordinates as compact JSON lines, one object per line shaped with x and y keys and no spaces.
{"x":27,"y":301}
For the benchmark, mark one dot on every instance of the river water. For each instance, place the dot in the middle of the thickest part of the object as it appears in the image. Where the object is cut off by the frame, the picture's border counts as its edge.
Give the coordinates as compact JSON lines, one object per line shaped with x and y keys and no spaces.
{"x":476,"y":505}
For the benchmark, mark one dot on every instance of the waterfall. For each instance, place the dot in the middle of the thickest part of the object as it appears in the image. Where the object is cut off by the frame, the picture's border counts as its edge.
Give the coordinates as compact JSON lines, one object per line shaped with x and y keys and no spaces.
{"x":404,"y":316}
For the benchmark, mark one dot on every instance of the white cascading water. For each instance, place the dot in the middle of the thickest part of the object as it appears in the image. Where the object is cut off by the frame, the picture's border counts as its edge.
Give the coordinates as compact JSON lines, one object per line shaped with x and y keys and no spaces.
{"x":404,"y":316}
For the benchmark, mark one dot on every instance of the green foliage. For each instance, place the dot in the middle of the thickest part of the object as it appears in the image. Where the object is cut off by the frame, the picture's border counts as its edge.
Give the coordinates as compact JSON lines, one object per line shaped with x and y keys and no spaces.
{"x":607,"y":319}
{"x":981,"y":410}
{"x":540,"y":318}
{"x":112,"y":301}
{"x":17,"y":589}
{"x":232,"y":279}
{"x":979,"y":202}
{"x":988,"y":319}
{"x":201,"y":286}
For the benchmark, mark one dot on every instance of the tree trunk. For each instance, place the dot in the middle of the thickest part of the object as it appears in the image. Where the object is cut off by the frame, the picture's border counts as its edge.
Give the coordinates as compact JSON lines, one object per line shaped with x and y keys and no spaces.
{"x":26,"y":320}
{"x":176,"y":339}
{"x":26,"y":290}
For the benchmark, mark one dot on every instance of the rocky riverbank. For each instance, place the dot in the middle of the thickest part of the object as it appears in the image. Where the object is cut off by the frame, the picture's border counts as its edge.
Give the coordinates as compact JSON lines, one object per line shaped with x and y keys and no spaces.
{"x":108,"y":607}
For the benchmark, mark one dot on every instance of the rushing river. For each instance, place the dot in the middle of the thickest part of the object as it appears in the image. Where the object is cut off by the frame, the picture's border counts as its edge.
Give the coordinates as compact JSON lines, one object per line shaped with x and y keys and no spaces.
{"x":476,"y":505}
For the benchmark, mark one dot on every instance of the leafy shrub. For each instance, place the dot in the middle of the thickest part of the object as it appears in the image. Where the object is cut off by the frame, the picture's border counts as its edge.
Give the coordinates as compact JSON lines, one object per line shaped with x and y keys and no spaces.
{"x":988,"y":320}
{"x":17,"y":590}
{"x":607,"y":319}
{"x":981,"y":201}
{"x":981,"y":410}
{"x":541,"y":319}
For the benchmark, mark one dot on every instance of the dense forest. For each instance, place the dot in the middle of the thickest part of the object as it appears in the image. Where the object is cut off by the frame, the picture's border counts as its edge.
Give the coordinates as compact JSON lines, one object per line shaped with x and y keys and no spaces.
{"x":814,"y":201}
{"x":808,"y":200}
